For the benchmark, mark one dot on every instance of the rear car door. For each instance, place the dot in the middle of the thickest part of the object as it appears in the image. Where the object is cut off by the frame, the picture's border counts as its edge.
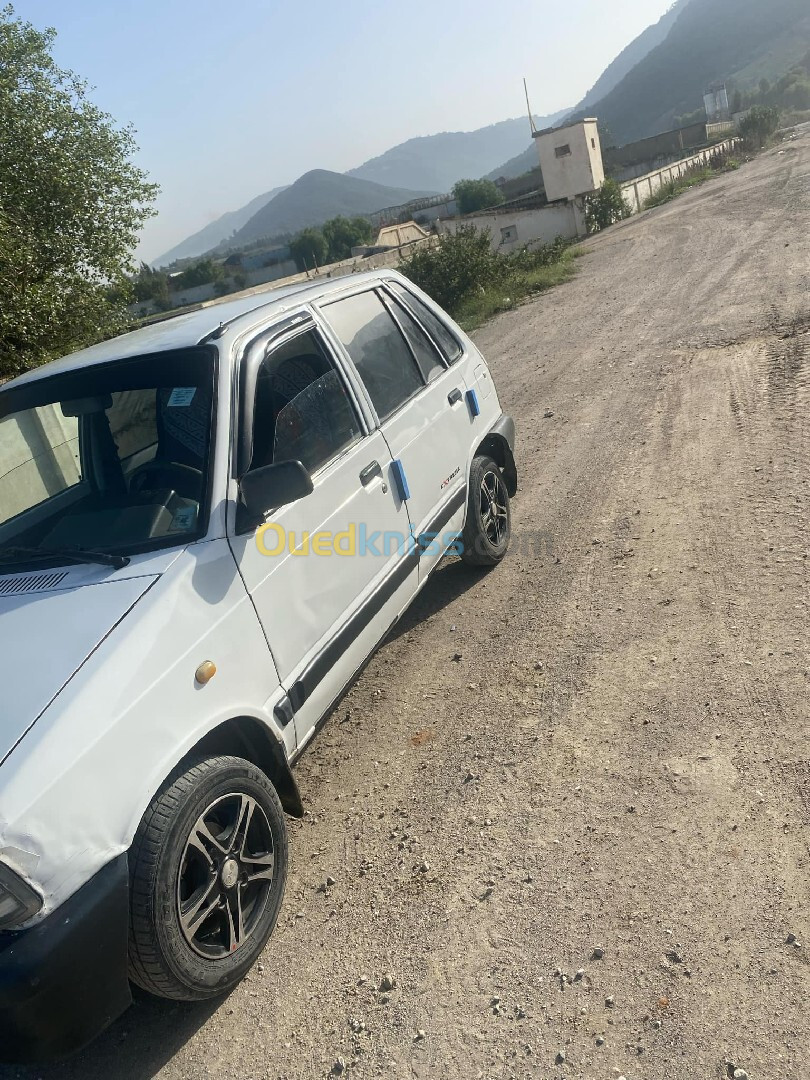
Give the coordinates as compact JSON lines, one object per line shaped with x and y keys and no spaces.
{"x":421,"y":403}
{"x":328,"y":574}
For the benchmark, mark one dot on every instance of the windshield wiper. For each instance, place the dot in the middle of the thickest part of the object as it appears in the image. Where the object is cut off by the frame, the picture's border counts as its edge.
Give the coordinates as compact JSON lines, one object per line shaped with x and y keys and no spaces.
{"x":79,"y":555}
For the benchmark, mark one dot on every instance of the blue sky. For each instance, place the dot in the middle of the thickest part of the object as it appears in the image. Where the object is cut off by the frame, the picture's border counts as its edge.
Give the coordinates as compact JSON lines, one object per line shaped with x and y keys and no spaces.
{"x":231,"y":99}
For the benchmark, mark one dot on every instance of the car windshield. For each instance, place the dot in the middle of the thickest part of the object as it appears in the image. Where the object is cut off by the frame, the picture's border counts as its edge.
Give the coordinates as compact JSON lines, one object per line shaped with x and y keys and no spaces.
{"x":109,"y":459}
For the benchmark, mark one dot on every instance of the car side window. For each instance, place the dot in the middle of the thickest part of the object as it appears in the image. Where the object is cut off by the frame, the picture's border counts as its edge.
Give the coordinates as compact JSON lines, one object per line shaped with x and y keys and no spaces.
{"x":444,"y":339}
{"x":427,"y":355}
{"x":302,"y":410}
{"x":379,"y":351}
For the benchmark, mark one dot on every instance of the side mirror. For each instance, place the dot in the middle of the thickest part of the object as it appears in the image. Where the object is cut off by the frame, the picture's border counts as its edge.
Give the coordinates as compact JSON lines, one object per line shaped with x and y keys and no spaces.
{"x":269,"y":488}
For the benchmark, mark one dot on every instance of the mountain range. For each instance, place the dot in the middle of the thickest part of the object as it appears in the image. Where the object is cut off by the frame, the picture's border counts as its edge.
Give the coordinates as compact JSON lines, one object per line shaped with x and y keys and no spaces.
{"x":659,"y":76}
{"x":635,"y":52}
{"x":732,"y":41}
{"x":314,"y":198}
{"x":217,"y":231}
{"x":423,"y":166}
{"x":438,"y":161}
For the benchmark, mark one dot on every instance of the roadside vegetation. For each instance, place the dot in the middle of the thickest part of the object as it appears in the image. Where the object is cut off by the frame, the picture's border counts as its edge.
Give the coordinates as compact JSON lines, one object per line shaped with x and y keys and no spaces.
{"x":472,"y":282}
{"x":721,"y":164}
{"x":606,"y":207}
{"x":759,"y":127}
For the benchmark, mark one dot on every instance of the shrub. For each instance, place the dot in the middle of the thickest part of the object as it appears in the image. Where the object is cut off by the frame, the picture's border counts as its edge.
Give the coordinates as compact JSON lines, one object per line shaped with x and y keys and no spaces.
{"x":606,"y":207}
{"x":759,"y":126}
{"x":472,"y":282}
{"x":458,"y":265}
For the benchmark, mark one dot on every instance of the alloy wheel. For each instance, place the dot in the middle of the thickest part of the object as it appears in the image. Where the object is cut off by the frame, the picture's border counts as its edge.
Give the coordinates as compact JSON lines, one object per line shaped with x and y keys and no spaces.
{"x":494,"y":512}
{"x":225,"y":876}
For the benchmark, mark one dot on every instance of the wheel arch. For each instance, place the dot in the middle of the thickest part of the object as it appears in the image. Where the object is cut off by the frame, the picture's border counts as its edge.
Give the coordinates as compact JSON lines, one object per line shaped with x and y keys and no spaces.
{"x":496,"y":445}
{"x":247,"y":737}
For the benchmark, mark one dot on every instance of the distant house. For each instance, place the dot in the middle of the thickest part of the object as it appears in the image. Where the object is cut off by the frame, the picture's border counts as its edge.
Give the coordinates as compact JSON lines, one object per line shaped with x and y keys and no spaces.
{"x":392,"y":236}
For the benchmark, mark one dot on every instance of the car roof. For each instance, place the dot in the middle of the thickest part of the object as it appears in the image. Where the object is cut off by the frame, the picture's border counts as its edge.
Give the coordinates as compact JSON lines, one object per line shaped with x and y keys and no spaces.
{"x":191,"y":328}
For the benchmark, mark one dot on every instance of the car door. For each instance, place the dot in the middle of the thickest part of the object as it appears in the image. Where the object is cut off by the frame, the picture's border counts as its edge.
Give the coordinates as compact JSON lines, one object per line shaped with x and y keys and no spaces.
{"x":422,"y":408}
{"x":328,"y":574}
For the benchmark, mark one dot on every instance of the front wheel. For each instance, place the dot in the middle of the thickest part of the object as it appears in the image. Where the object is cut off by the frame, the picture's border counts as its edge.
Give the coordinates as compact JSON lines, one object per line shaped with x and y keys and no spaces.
{"x":488,"y":527}
{"x":208,"y":868}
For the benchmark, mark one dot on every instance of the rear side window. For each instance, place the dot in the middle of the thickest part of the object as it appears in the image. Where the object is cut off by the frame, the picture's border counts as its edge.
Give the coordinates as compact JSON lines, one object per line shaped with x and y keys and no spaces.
{"x":378,"y":350}
{"x":447,"y":343}
{"x":427,"y":355}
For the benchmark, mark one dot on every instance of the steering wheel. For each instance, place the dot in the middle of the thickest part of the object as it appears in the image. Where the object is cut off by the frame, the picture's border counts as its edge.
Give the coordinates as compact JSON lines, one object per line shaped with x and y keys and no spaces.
{"x":184,"y":479}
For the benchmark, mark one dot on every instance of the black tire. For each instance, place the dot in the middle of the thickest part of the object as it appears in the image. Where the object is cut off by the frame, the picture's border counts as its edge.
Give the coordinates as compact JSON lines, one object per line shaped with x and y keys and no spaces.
{"x":488,"y":527}
{"x":199,"y":875}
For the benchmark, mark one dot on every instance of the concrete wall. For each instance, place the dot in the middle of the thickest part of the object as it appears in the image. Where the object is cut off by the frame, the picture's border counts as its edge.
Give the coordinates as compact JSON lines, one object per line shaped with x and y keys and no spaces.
{"x":720,"y":128}
{"x":428,"y":216}
{"x":667,"y":145}
{"x":579,"y":169}
{"x":196,"y":295}
{"x":202,"y":294}
{"x":270,"y":273}
{"x":636,"y":192}
{"x":510,"y":230}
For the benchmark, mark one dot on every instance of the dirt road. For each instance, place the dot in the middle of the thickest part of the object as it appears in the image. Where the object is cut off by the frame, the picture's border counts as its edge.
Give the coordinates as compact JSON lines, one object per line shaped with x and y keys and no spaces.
{"x":596,"y":759}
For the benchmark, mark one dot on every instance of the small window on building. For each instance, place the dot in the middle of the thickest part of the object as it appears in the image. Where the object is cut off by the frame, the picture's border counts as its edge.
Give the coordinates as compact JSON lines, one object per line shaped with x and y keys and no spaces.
{"x":509,"y":234}
{"x":593,"y":143}
{"x":562,"y":151}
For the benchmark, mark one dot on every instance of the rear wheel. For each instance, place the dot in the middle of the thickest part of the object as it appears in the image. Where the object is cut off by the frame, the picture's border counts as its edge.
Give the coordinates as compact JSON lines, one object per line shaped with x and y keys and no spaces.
{"x":208,"y":869}
{"x":488,"y":527}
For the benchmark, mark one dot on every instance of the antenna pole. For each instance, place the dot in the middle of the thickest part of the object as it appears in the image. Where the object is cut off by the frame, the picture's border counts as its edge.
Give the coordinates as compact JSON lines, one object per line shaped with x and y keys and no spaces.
{"x":528,"y":106}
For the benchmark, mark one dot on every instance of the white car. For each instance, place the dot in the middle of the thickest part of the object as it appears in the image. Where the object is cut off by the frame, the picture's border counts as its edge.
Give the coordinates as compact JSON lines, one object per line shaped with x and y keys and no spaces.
{"x":206,"y":527}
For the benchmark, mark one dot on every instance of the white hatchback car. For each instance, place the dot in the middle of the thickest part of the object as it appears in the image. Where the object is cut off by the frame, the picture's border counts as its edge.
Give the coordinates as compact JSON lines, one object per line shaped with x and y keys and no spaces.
{"x":206,"y":527}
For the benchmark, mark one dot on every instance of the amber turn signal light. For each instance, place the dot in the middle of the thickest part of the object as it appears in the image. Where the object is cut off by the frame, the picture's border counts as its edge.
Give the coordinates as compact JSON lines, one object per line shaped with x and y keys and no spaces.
{"x":205,"y":672}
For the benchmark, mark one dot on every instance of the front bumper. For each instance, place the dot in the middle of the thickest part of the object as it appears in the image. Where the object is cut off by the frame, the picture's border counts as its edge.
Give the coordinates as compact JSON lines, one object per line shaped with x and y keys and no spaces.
{"x":65,"y":979}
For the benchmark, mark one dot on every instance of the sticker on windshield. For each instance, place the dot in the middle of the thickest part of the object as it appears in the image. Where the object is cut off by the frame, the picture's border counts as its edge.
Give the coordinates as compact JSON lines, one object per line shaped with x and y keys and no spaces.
{"x":181,"y":397}
{"x":184,"y":520}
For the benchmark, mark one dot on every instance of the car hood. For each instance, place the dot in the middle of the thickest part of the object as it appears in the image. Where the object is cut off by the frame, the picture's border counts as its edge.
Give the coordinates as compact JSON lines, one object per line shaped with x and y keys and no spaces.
{"x":46,"y":636}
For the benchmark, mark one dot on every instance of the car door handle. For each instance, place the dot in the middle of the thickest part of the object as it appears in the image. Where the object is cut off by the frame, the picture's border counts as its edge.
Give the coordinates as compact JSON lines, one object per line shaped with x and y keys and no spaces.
{"x":370,"y":471}
{"x":455,"y":396}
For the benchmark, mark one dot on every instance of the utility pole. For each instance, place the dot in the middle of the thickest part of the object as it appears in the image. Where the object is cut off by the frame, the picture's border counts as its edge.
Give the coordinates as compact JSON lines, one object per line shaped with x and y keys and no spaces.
{"x":528,"y":106}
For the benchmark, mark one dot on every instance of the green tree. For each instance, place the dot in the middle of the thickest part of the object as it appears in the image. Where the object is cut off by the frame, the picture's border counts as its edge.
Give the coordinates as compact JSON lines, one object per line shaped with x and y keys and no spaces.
{"x":759,"y":126}
{"x":72,"y":205}
{"x":472,"y":195}
{"x":606,"y":207}
{"x":151,"y":284}
{"x":308,"y":249}
{"x":342,"y":234}
{"x":764,"y":87}
{"x":202,"y":272}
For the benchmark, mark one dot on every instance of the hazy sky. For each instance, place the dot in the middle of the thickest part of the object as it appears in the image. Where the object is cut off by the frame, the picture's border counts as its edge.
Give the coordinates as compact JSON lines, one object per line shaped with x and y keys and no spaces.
{"x":231,"y":99}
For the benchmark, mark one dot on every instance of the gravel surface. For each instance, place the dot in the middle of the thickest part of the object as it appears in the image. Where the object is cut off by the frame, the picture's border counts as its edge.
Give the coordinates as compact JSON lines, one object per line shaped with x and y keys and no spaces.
{"x":559,"y":827}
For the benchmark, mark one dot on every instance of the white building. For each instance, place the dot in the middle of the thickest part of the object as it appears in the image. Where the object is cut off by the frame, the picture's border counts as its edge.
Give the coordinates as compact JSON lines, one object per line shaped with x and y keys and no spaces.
{"x":571,"y":160}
